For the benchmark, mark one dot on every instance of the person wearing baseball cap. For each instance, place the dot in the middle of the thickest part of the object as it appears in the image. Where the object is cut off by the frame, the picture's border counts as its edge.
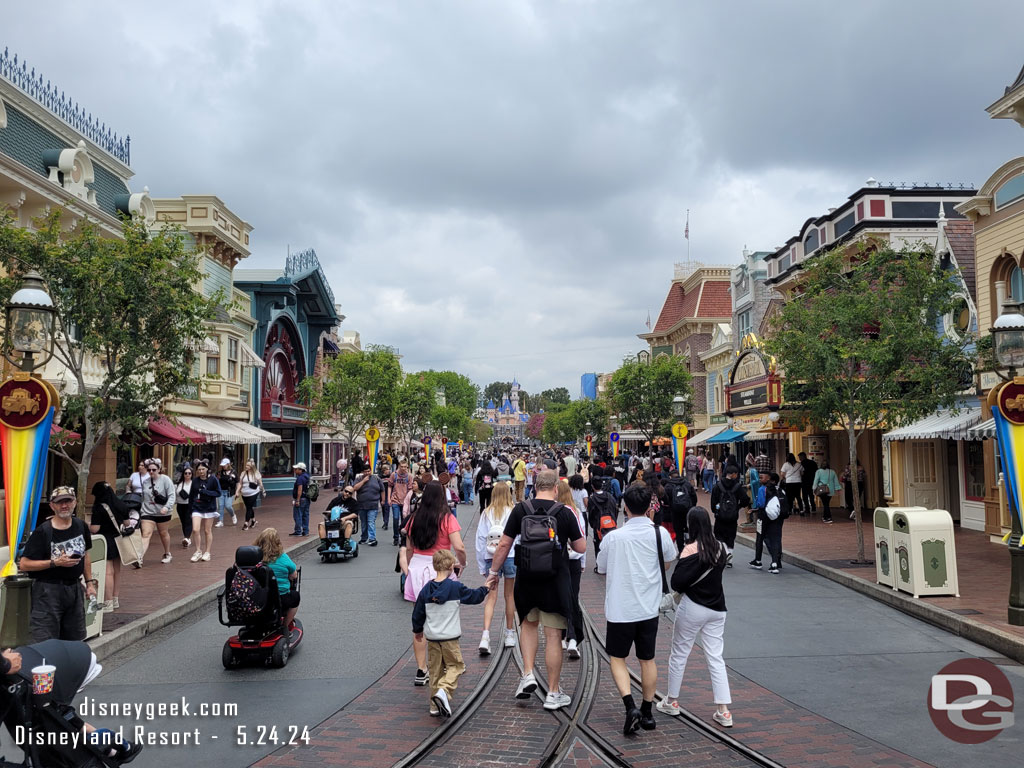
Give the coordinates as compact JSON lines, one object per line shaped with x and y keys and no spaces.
{"x":57,"y":558}
{"x":300,"y":500}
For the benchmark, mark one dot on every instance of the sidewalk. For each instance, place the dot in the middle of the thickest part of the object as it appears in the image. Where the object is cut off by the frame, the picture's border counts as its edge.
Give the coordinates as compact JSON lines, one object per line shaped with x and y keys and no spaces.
{"x":983,"y":570}
{"x":155,"y":586}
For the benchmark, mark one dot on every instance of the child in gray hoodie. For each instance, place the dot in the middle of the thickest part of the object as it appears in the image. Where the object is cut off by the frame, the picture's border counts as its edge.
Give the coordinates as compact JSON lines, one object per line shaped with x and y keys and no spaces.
{"x":436,"y":616}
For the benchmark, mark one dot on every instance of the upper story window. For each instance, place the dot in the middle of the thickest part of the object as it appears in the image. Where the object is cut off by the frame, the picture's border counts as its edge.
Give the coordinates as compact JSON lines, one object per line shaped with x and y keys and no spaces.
{"x":785,"y":262}
{"x":743,"y":322}
{"x":233,"y":359}
{"x":1016,"y":284}
{"x":844,"y":225}
{"x":811,"y":242}
{"x":1010,"y":192}
{"x":213,"y":359}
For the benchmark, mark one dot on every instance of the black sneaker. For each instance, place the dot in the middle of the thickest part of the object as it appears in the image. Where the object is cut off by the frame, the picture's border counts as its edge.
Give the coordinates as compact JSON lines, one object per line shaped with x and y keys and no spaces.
{"x":422,"y":677}
{"x":647,"y":721}
{"x":632,"y":724}
{"x":774,"y":568}
{"x":755,"y":564}
{"x":128,"y":751}
{"x":373,"y":543}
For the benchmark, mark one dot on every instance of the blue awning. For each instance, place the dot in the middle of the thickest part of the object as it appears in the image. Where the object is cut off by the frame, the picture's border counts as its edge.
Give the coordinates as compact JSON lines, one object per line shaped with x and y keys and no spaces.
{"x":728,"y":436}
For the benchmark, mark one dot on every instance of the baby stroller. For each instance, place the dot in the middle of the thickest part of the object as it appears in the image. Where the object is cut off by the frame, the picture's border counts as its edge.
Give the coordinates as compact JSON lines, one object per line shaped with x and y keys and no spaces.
{"x":42,"y":719}
{"x":249,"y":599}
{"x":333,"y":544}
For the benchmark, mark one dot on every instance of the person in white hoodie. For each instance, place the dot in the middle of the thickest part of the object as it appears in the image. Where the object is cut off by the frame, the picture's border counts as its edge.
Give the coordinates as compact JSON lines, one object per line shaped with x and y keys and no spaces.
{"x":488,"y":534}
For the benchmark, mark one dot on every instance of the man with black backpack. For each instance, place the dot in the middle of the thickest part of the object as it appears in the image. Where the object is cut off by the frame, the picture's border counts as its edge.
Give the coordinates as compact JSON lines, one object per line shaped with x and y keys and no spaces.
{"x":728,"y":497}
{"x":547,"y":531}
{"x":682,"y":497}
{"x":602,"y":507}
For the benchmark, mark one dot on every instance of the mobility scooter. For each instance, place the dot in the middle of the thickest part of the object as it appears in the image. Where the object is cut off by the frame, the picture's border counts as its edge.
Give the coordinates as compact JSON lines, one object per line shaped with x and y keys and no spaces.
{"x":334,"y":545}
{"x":251,"y":601}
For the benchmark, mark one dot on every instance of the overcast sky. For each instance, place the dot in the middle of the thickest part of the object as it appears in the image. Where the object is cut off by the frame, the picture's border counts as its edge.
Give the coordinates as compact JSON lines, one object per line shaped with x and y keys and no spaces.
{"x":500,"y":187}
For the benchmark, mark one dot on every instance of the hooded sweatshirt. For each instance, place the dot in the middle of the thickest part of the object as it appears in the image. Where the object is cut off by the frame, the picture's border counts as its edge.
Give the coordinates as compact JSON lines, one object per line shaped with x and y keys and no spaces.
{"x":436,"y":614}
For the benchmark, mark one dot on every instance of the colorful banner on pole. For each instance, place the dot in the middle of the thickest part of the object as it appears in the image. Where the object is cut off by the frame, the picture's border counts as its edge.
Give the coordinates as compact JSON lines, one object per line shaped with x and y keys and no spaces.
{"x":27,"y":408}
{"x":679,"y":433}
{"x":373,"y":447}
{"x":613,"y":439}
{"x":444,"y":448}
{"x":590,"y":445}
{"x":426,"y":450}
{"x":1007,"y":404}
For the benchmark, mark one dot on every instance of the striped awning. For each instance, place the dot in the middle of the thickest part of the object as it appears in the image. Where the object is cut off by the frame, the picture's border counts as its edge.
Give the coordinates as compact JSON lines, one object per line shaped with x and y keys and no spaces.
{"x":702,"y":437}
{"x":943,"y":425}
{"x":230,"y":431}
{"x":984,"y":431}
{"x":249,"y":357}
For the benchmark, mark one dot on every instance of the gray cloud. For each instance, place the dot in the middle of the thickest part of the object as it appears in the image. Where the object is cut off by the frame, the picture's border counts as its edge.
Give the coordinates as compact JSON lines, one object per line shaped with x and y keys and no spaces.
{"x":501,"y":187}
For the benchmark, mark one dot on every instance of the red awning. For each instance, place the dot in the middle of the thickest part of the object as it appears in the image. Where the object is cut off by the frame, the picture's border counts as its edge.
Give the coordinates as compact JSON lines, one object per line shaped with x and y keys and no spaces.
{"x":163,"y":432}
{"x":62,"y":436}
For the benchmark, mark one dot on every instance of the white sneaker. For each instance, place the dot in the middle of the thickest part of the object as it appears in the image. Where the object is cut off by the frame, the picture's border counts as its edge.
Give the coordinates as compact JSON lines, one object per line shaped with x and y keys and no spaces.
{"x":219,"y":524}
{"x":114,"y":603}
{"x":440,"y":700}
{"x":234,"y":519}
{"x":527,"y":685}
{"x":565,"y":645}
{"x":669,"y":707}
{"x":557,"y":700}
{"x":574,"y":651}
{"x":485,"y":644}
{"x":206,"y":557}
{"x":186,"y":542}
{"x":166,"y":558}
{"x":197,"y":557}
{"x":723,"y":720}
{"x":510,"y":638}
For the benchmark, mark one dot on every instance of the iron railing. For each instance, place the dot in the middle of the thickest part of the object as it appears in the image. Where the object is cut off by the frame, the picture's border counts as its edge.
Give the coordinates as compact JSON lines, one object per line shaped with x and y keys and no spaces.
{"x":306,"y":261}
{"x":24,"y":79}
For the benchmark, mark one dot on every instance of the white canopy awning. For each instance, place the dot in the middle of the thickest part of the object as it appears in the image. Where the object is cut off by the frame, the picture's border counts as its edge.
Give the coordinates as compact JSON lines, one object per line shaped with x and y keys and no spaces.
{"x":984,"y":431}
{"x":702,"y":437}
{"x":944,"y":425}
{"x":228,"y":430}
{"x":250,"y":359}
{"x":206,"y":344}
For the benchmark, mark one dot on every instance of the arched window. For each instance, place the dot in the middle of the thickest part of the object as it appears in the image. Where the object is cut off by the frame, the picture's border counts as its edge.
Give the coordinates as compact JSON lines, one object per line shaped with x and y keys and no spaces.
{"x":1015,"y":284}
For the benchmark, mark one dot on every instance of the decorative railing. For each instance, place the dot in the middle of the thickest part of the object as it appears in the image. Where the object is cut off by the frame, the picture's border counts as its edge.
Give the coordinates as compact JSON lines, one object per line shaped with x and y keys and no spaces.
{"x":306,"y":261}
{"x":21,"y":77}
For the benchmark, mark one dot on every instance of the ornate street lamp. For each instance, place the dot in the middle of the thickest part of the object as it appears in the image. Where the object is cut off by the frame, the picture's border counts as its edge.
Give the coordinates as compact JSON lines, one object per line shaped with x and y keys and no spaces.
{"x":1008,"y":343}
{"x":679,"y":407}
{"x":29,"y":328}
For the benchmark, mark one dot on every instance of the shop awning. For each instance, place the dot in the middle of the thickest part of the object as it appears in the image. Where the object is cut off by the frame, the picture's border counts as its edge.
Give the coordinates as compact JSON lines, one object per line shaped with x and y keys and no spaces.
{"x":63,"y":436}
{"x":771,"y":434}
{"x":728,"y":436}
{"x":206,"y":344}
{"x":984,"y":431}
{"x":249,"y":357}
{"x":228,"y":431}
{"x":944,"y":425}
{"x":163,"y":432}
{"x":702,"y":437}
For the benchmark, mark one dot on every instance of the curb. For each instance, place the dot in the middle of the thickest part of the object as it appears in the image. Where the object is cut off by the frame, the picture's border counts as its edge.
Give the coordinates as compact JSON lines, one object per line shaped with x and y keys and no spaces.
{"x":108,"y":644}
{"x":997,"y":639}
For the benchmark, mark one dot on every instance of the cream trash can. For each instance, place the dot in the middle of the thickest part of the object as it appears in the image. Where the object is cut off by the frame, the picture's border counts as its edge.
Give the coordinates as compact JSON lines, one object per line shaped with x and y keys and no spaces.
{"x":925,"y":552}
{"x":885,"y":572}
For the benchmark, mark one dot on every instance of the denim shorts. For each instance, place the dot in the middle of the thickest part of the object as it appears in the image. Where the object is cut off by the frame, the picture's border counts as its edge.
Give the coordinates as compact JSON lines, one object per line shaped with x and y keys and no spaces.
{"x":508,"y":568}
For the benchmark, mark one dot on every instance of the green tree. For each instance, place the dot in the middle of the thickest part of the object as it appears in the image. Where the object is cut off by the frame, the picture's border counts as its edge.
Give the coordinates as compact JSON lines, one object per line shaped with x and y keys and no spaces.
{"x":357,"y":390}
{"x":642,"y":393}
{"x":479,"y":432}
{"x":459,"y":391}
{"x":497,"y":390}
{"x":127,"y":306}
{"x":414,"y":403}
{"x":862,"y":344}
{"x":558,"y":395}
{"x":455,"y":419}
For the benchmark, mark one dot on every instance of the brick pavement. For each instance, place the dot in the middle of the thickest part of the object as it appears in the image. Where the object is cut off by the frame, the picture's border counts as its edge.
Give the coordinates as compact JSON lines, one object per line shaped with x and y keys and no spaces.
{"x":767,"y":723}
{"x":983,"y":567}
{"x":156,"y":585}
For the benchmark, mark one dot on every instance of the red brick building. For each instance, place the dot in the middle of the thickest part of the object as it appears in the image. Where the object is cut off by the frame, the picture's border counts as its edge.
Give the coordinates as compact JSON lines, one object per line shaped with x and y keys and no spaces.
{"x":697,"y":300}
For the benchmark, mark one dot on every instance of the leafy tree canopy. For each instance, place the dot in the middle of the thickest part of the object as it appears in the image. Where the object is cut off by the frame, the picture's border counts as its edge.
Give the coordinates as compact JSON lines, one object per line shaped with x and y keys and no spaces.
{"x":642,"y":393}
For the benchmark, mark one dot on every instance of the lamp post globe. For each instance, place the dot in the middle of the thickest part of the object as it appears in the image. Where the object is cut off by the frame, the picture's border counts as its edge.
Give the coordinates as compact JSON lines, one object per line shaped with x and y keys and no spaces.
{"x":29,"y":328}
{"x":679,"y":406}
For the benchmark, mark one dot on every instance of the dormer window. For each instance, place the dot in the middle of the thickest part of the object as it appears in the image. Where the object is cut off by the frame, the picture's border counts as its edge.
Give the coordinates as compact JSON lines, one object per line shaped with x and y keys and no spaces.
{"x":1010,"y":192}
{"x":72,"y":170}
{"x":811,"y":242}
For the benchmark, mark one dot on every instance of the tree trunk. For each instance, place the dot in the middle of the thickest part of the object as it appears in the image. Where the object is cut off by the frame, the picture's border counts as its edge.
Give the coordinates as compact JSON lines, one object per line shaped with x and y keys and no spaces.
{"x":852,"y":436}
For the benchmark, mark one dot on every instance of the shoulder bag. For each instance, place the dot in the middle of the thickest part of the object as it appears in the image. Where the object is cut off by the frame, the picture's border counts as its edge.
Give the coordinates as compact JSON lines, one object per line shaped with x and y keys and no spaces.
{"x":128,"y":547}
{"x":668,"y":601}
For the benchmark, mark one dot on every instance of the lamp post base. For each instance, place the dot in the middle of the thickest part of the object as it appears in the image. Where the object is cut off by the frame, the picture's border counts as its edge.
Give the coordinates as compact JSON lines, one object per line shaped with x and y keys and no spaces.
{"x":1015,"y":611}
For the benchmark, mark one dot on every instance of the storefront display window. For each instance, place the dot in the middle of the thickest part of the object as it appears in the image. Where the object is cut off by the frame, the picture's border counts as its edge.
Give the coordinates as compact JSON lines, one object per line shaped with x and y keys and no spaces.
{"x":974,"y":470}
{"x":317,"y":463}
{"x":276,"y":459}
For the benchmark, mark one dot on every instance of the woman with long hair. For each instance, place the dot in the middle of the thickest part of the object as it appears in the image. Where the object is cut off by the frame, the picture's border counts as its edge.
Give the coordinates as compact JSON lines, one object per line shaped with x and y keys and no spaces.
{"x":577,"y":564}
{"x":284,"y":568}
{"x":183,"y":505}
{"x":792,"y":478}
{"x":205,"y":494}
{"x":431,"y":527}
{"x":250,"y":486}
{"x":157,"y":500}
{"x":485,"y":482}
{"x":701,"y":611}
{"x":494,"y":519}
{"x":109,"y":515}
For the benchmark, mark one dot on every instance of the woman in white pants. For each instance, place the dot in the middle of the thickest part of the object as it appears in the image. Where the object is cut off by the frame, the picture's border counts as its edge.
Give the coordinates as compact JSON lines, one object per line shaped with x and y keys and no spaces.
{"x":701,"y":611}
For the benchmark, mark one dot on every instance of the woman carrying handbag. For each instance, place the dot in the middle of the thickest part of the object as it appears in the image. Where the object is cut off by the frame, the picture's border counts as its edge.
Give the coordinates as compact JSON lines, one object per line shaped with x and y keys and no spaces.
{"x":117,"y":524}
{"x":825,"y":485}
{"x":250,"y":488}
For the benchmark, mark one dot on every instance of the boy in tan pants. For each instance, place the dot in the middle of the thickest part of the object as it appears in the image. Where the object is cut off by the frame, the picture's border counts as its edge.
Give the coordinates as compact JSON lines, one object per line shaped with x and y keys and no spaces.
{"x":436,"y":616}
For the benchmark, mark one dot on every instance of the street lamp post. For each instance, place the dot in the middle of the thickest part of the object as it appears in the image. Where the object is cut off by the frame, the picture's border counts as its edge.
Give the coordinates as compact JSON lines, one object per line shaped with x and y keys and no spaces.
{"x":29,"y":329}
{"x":1008,"y":338}
{"x":679,"y":407}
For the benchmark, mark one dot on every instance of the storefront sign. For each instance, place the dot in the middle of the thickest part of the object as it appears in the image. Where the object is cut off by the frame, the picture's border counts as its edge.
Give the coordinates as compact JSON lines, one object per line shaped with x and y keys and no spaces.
{"x":816,"y":447}
{"x":746,"y":397}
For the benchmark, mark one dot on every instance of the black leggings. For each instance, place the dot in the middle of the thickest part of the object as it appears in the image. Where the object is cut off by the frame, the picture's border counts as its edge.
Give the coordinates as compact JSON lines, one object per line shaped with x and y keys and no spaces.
{"x":250,"y":507}
{"x":185,"y":515}
{"x":485,"y":498}
{"x":793,"y":494}
{"x":575,"y":631}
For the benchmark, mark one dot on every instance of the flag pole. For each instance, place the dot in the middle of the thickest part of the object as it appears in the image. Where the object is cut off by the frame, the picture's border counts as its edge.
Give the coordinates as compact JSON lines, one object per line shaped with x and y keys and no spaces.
{"x":687,"y":234}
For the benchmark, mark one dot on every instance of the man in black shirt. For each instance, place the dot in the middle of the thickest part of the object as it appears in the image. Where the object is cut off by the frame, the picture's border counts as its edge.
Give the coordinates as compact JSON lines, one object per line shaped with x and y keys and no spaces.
{"x":57,"y":558}
{"x":542,"y":599}
{"x":810,"y":501}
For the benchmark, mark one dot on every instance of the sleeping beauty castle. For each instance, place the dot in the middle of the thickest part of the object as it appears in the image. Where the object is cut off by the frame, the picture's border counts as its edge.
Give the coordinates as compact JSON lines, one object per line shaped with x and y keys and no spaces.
{"x":507,"y":419}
